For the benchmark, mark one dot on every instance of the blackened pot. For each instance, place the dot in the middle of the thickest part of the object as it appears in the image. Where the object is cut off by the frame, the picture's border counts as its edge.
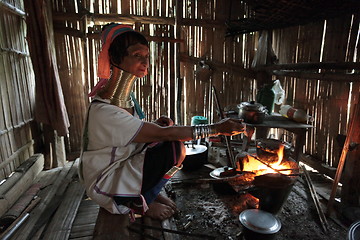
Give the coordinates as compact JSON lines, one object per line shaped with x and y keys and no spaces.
{"x":196,"y":157}
{"x":272,"y":190}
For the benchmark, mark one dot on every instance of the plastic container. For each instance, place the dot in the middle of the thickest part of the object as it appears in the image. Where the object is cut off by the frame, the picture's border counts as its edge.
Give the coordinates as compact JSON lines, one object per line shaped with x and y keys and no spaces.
{"x":279,"y":93}
{"x":266,"y":97}
{"x":196,"y":120}
{"x":298,"y":115}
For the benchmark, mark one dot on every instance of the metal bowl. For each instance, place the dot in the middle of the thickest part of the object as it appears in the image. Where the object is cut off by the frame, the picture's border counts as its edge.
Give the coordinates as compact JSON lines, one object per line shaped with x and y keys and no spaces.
{"x":259,"y":224}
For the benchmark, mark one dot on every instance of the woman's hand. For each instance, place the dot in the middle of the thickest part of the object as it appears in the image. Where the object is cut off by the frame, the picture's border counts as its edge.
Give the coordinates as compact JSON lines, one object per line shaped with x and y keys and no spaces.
{"x":230,"y":126}
{"x":164,"y":121}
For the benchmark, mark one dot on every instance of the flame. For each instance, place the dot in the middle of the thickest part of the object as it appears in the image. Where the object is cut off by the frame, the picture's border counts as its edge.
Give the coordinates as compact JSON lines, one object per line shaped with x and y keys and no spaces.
{"x":259,"y":168}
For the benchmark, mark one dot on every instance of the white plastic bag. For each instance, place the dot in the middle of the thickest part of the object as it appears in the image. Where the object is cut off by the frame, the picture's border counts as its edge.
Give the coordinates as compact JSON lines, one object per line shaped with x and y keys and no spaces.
{"x":279,"y":92}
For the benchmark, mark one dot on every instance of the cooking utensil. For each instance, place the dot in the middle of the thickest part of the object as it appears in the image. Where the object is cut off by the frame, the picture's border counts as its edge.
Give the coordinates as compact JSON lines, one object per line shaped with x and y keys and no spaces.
{"x":267,"y":149}
{"x":354,"y":231}
{"x":227,"y":138}
{"x":258,"y":224}
{"x":252,"y":112}
{"x":196,"y":157}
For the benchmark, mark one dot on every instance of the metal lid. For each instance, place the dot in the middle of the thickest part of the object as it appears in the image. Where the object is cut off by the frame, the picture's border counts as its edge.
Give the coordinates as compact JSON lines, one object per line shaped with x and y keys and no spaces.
{"x":260,"y":221}
{"x":354,"y":231}
{"x":251,"y":106}
{"x":195,"y":149}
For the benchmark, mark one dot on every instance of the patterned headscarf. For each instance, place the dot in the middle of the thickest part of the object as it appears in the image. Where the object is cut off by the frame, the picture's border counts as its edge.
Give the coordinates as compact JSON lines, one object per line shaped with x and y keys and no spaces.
{"x":107,"y":36}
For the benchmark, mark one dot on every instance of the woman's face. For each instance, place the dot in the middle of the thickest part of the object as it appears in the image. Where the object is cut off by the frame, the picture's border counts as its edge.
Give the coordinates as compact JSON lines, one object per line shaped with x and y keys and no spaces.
{"x":137,"y":60}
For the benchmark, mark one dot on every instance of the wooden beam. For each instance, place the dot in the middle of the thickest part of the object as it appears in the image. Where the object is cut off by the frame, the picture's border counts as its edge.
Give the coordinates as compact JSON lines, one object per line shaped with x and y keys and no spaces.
{"x":225,"y":67}
{"x":328,"y":76}
{"x":101,"y":19}
{"x":77,"y":33}
{"x":207,"y":23}
{"x":311,"y":65}
{"x":353,"y":120}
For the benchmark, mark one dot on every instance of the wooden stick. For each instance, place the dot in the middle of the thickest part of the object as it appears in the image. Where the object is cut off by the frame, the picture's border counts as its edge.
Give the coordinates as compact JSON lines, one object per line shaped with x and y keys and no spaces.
{"x":315,"y":198}
{"x":342,"y":159}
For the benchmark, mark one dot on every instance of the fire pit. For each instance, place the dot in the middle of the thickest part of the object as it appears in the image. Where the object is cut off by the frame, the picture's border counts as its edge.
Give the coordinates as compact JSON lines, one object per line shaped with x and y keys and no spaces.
{"x":268,"y":180}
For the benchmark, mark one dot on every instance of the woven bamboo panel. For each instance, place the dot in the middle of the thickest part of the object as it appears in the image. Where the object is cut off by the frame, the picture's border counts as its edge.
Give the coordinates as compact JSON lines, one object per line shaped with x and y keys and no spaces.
{"x":327,"y":102}
{"x":16,"y":90}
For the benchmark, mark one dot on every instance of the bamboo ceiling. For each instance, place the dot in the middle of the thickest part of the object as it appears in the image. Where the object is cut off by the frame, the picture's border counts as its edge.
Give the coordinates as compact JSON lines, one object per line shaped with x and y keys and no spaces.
{"x":274,"y":14}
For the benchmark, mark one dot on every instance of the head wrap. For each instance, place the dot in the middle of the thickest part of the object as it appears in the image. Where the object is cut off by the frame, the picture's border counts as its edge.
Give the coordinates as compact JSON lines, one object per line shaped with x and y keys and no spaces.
{"x":107,"y":36}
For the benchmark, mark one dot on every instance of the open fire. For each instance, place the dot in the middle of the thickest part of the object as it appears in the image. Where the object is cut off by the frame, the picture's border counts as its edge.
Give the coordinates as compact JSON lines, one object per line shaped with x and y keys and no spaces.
{"x":267,"y":183}
{"x":262,"y":166}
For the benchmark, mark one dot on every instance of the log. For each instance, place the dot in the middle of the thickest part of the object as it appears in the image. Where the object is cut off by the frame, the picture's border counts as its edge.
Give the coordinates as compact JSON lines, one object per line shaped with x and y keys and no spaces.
{"x":15,"y":188}
{"x":353,"y":120}
{"x":17,"y":223}
{"x":49,"y":203}
{"x":14,"y":212}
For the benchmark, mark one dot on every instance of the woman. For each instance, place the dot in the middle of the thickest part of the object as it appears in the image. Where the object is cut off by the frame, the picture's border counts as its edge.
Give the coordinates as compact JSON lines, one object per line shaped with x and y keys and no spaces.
{"x":126,"y":161}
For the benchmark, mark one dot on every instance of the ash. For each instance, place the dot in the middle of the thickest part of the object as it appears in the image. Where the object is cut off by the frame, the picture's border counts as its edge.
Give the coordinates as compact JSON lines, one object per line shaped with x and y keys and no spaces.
{"x":205,"y":210}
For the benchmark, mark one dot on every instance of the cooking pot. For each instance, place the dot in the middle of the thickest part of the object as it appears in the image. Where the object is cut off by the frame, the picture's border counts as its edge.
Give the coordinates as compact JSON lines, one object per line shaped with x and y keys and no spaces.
{"x":252,"y":112}
{"x":267,"y":149}
{"x":259,"y":225}
{"x":196,"y":156}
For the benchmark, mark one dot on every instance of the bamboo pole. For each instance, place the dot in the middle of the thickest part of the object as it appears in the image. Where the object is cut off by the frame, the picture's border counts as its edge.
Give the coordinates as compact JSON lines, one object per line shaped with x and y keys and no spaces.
{"x":100,"y":19}
{"x":342,"y":77}
{"x":16,"y":154}
{"x":345,"y":149}
{"x":9,"y":194}
{"x":215,"y":65}
{"x":315,"y":198}
{"x":311,"y":65}
{"x":11,"y":8}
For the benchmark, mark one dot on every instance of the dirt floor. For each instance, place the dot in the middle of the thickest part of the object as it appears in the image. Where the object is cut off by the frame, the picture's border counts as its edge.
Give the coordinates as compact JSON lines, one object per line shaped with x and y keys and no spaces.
{"x":214,"y":212}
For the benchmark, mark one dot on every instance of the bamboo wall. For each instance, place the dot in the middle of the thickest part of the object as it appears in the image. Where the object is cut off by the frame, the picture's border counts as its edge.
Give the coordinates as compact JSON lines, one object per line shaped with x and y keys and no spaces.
{"x":226,"y":56}
{"x":16,"y":89}
{"x":329,"y":102}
